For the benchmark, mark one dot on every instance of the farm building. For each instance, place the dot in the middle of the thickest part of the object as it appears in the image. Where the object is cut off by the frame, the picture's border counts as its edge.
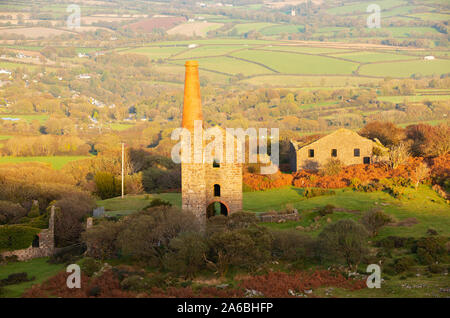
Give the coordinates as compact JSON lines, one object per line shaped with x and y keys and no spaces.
{"x":429,"y":57}
{"x":343,"y":144}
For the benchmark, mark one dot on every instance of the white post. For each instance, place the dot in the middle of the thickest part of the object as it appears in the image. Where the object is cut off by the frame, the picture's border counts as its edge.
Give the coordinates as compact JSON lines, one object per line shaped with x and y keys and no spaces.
{"x":123,"y":156}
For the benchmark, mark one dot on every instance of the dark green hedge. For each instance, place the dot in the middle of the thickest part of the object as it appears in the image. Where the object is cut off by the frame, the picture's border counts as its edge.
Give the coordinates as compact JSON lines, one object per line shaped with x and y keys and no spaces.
{"x":16,"y":237}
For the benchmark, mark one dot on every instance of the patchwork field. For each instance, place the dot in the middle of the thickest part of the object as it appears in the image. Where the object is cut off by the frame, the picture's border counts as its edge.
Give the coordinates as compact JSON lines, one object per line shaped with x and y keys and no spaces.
{"x":298,"y":63}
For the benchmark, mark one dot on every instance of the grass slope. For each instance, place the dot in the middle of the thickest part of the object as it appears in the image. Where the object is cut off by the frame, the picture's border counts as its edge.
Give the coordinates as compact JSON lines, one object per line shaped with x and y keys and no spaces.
{"x":38,"y":268}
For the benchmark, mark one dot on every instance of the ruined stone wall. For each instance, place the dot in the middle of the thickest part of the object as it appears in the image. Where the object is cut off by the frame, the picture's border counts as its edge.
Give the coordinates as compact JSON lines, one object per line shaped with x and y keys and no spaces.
{"x":46,"y":243}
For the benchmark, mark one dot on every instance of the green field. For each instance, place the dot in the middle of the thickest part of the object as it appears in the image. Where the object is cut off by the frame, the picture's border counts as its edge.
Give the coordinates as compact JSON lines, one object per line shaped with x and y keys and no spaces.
{"x":247,"y":27}
{"x":408,"y":31}
{"x":120,"y":127}
{"x":230,"y":66}
{"x":369,"y":57}
{"x":280,"y":29}
{"x":290,"y":63}
{"x":362,"y":6}
{"x":57,"y":162}
{"x":209,"y":50}
{"x":303,"y":49}
{"x":4,"y":137}
{"x":406,"y":69}
{"x":29,"y":118}
{"x":431,"y":16}
{"x":37,"y":268}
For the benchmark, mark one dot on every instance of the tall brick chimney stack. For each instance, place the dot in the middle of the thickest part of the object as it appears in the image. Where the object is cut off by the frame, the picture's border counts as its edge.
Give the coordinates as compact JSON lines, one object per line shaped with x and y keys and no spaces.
{"x":192,"y":105}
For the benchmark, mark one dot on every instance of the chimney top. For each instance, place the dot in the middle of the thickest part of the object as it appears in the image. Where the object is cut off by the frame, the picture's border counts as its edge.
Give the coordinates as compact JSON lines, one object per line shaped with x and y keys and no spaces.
{"x":192,"y":104}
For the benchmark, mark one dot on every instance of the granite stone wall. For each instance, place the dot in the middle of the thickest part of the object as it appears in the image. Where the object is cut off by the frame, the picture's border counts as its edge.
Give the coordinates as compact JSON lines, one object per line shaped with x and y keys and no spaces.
{"x":46,"y":243}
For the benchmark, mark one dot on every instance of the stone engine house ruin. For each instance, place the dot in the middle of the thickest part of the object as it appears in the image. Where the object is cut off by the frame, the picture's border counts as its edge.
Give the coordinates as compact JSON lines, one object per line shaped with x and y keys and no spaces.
{"x":208,"y":189}
{"x":343,"y":144}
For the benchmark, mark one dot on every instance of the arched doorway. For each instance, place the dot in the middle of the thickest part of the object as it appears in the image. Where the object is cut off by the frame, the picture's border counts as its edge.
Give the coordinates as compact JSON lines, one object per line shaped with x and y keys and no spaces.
{"x":35,"y":242}
{"x":216,"y":208}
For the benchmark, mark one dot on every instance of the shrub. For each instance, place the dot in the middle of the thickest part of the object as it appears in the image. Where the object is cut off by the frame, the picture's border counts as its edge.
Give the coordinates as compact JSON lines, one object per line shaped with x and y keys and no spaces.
{"x":332,"y":167}
{"x":403,"y":264}
{"x":134,"y":283}
{"x":327,"y":209}
{"x":430,"y":249}
{"x":146,"y":235}
{"x":15,"y":278}
{"x":373,"y":220}
{"x":69,"y":216}
{"x":247,"y":248}
{"x":16,"y":237}
{"x":395,"y":242}
{"x":158,"y":202}
{"x":186,"y":254}
{"x":315,"y":192}
{"x":343,"y":241}
{"x":156,"y":179}
{"x":11,"y":212}
{"x":436,"y":268}
{"x":101,"y":240}
{"x":107,"y":185}
{"x":90,"y":266}
{"x":292,"y":245}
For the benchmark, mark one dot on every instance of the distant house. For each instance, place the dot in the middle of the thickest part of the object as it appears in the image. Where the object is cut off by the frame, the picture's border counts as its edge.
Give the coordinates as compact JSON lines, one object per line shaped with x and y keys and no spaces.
{"x":3,"y":71}
{"x":343,"y":144}
{"x":84,"y":76}
{"x":428,"y":57}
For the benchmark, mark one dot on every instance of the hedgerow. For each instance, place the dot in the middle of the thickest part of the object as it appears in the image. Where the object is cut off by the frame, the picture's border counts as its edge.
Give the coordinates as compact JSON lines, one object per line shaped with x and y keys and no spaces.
{"x":16,"y":237}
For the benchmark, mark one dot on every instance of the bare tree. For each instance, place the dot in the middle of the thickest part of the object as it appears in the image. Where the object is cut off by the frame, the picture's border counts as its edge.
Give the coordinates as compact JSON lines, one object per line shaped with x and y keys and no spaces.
{"x":422,"y":172}
{"x":398,"y":154}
